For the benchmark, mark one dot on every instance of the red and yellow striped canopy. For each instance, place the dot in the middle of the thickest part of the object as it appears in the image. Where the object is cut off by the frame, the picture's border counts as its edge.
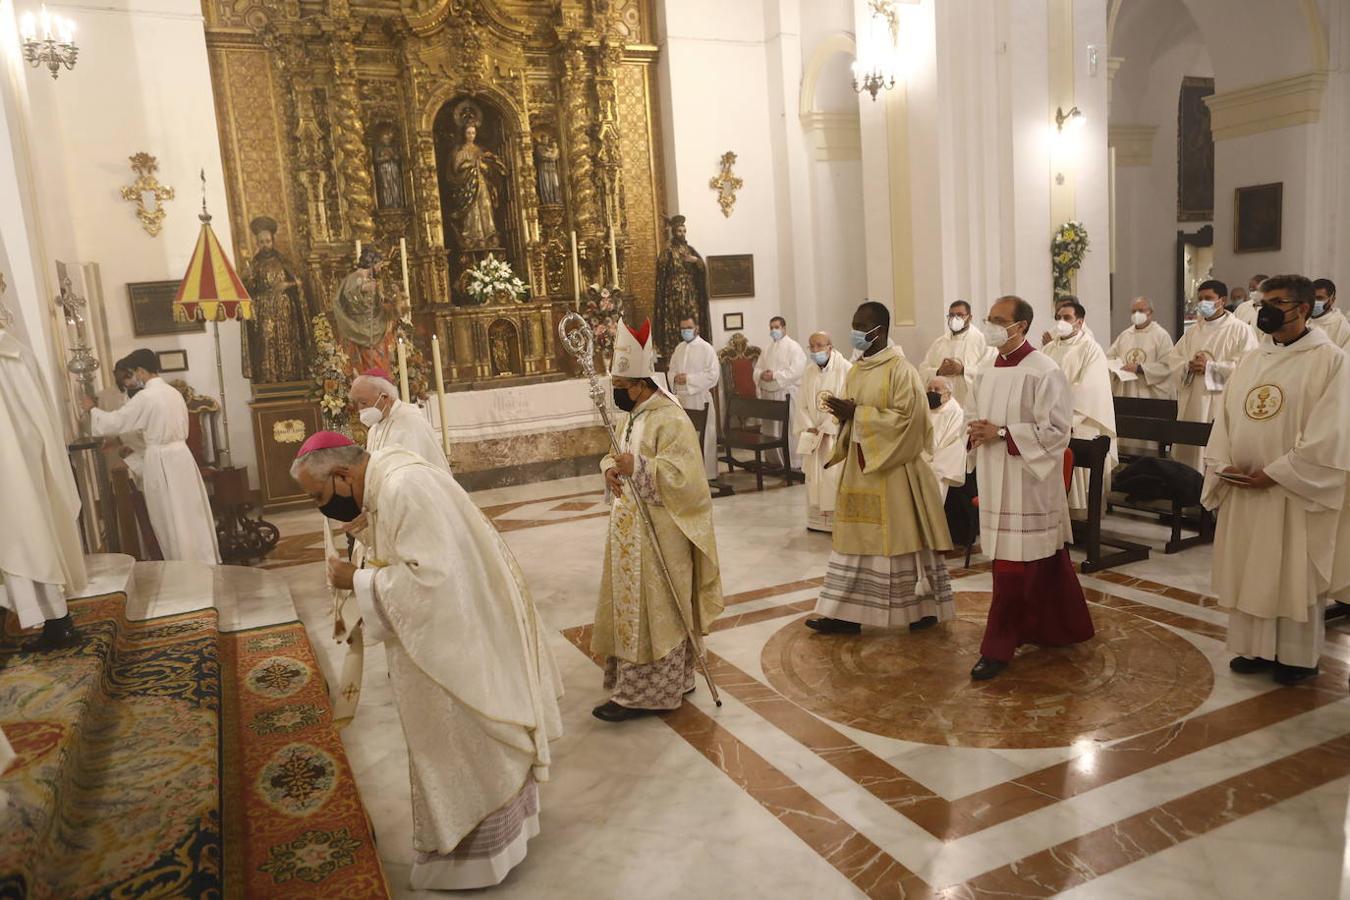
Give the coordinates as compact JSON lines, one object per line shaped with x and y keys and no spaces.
{"x":211,"y":290}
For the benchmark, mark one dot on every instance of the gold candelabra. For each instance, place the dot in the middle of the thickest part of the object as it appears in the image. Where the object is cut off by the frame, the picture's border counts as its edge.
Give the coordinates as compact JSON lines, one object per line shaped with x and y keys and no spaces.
{"x":54,"y":47}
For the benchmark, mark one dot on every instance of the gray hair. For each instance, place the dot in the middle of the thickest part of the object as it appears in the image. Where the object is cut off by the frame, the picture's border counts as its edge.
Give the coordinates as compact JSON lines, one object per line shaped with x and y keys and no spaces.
{"x":942,"y":380}
{"x":1147,"y":300}
{"x":321,"y":463}
{"x":381,"y":385}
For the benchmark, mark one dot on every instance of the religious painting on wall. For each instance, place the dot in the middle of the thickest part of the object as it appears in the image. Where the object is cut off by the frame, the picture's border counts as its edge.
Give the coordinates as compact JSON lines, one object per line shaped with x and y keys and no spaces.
{"x":731,"y":276}
{"x":1195,"y":152}
{"x":1258,"y":218}
{"x":152,"y":310}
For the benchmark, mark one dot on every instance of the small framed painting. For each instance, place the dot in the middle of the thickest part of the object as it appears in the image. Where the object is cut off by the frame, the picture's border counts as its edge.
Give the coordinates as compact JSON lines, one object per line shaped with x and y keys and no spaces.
{"x":731,"y":276}
{"x":152,"y":310}
{"x":172,"y":360}
{"x":733,"y":321}
{"x":1258,"y":218}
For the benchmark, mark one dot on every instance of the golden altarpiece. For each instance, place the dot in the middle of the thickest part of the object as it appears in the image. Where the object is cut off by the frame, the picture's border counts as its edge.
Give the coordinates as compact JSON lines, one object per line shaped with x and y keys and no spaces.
{"x":468,"y":128}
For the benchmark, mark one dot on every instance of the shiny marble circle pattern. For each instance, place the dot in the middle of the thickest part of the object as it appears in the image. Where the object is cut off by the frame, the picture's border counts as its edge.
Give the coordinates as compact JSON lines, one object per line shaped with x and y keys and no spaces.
{"x":1133,"y":676}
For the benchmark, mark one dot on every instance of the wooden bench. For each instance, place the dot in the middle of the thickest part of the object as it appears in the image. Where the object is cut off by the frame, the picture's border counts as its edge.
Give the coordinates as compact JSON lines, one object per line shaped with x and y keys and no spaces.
{"x":1144,"y":408}
{"x":1091,"y":455}
{"x":1167,"y":433}
{"x":738,"y":436}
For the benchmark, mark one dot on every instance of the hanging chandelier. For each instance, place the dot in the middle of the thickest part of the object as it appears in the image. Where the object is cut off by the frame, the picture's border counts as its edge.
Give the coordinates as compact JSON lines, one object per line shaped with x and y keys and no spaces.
{"x":875,"y":68}
{"x":54,"y":47}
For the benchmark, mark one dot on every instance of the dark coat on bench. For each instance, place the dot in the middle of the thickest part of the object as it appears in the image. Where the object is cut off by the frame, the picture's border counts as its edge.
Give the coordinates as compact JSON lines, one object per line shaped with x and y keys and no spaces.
{"x":1147,"y":479}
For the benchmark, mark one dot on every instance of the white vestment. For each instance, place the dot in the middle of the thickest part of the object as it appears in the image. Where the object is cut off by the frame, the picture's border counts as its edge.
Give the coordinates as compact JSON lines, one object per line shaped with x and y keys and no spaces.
{"x":1285,"y":411}
{"x":1094,"y":408}
{"x":175,"y":496}
{"x":787,"y":361}
{"x":948,"y":456}
{"x":822,"y":484}
{"x":1135,"y":347}
{"x":697,"y":362}
{"x":1337,"y":327}
{"x":41,"y":557}
{"x":474,"y":681}
{"x":968,"y":348}
{"x":1024,"y":513}
{"x":1223,"y":342}
{"x":405,"y":426}
{"x":1246,"y":312}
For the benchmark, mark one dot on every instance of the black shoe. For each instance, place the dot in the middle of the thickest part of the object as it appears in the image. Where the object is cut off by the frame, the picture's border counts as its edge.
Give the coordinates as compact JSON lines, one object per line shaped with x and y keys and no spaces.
{"x":986,"y":669}
{"x":826,"y":625}
{"x":1246,"y":665}
{"x":613,"y":712}
{"x":923,"y":624}
{"x":1293,"y":674}
{"x":57,"y":634}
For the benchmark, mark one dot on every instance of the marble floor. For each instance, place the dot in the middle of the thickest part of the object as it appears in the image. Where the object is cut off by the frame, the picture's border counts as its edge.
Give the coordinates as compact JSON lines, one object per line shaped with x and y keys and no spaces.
{"x":1135,"y":765}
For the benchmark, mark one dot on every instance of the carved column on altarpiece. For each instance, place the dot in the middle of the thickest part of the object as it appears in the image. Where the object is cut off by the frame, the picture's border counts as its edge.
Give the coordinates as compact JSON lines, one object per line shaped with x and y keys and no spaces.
{"x":429,"y":238}
{"x":349,"y":145}
{"x":580,"y":171}
{"x":608,"y":58}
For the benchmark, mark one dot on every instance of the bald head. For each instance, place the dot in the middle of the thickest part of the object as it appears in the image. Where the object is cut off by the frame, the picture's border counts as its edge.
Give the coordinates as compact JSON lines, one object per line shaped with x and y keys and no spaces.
{"x":820,"y":341}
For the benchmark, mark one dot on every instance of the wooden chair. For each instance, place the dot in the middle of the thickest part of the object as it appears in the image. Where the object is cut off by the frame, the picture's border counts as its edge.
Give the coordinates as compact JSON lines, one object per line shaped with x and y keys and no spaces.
{"x":737,"y":360}
{"x":739,"y":436}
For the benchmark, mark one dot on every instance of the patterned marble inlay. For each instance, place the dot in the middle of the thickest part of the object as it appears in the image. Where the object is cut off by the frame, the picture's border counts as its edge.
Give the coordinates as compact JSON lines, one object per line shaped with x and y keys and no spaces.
{"x":1132,"y":677}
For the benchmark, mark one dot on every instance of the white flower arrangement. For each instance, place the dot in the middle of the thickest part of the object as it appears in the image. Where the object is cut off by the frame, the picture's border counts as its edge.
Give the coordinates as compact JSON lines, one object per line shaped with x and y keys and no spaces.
{"x":491,"y":278}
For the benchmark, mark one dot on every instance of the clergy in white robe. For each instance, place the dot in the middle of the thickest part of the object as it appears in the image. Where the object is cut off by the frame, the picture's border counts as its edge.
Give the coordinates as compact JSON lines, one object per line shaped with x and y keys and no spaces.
{"x":778,"y":375}
{"x":1200,"y":364}
{"x":41,"y":557}
{"x":1049,"y":334}
{"x":1327,"y":317}
{"x":957,"y":353}
{"x":392,"y":423}
{"x":1247,"y":310}
{"x":1276,"y":467}
{"x":473,"y":679}
{"x":693,"y":375}
{"x":814,"y":430}
{"x":1023,"y":418}
{"x":133,"y":457}
{"x":175,"y":496}
{"x":1094,"y":408}
{"x":948,"y":456}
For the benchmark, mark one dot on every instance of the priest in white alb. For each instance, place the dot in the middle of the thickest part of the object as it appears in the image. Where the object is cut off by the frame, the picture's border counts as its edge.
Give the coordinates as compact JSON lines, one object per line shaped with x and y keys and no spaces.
{"x":1144,"y":341}
{"x":957,"y":353}
{"x":1275,"y":470}
{"x":1024,"y":417}
{"x":814,"y":430}
{"x":1094,"y":408}
{"x":1327,"y":317}
{"x":948,"y":456}
{"x":392,"y":423}
{"x":1200,"y":364}
{"x":693,"y":375}
{"x":41,"y":557}
{"x":778,"y":374}
{"x":473,"y":679}
{"x":1247,"y":310}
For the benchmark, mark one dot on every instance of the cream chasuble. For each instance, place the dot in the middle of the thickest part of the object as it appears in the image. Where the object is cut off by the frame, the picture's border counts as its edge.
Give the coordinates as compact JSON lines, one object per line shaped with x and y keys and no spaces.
{"x":968,"y":348}
{"x":948,"y":456}
{"x":405,"y":426}
{"x":635,"y":620}
{"x":786,"y":359}
{"x":473,"y":678}
{"x":1246,"y":312}
{"x":1286,"y":411}
{"x":1024,"y":512}
{"x":1094,"y":407}
{"x":1222,"y":342}
{"x":889,"y":502}
{"x":1139,"y":346}
{"x":1337,"y":327}
{"x":822,"y":484}
{"x":697,"y":361}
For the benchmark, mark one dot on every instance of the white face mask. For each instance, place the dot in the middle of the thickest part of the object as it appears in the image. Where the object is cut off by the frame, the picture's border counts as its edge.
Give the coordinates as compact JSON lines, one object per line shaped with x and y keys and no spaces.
{"x":371,"y":416}
{"x":1063,"y":329}
{"x":957,"y":324}
{"x":994,"y":335}
{"x":1139,"y":318}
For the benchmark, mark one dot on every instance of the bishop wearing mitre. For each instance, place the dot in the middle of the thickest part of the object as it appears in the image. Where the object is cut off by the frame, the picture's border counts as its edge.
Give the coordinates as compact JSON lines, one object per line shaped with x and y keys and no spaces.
{"x":1276,"y":467}
{"x":815,"y":430}
{"x":473,"y":679}
{"x":1094,"y":409}
{"x":645,"y":635}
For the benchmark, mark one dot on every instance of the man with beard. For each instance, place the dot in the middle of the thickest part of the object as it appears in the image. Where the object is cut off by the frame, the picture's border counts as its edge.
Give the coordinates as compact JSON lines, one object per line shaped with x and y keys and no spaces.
{"x":278,"y":333}
{"x":681,"y":289}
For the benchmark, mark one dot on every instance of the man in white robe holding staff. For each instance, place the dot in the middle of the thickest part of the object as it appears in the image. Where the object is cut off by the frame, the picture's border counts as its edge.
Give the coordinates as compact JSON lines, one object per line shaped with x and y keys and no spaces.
{"x":1275,"y":469}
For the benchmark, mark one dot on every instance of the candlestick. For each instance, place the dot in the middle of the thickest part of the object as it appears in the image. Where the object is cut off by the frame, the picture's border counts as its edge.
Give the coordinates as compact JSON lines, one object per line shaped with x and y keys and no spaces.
{"x":440,"y":394}
{"x":576,"y":274}
{"x":613,"y":259}
{"x":402,"y":371}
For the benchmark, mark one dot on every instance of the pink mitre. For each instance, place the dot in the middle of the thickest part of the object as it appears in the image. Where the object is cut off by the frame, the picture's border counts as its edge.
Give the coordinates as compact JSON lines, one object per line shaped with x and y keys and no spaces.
{"x":323,"y":440}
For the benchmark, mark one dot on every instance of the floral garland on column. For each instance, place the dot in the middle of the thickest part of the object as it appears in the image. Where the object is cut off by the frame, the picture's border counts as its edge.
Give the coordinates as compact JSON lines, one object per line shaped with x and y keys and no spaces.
{"x":1067,"y":249}
{"x":331,"y":370}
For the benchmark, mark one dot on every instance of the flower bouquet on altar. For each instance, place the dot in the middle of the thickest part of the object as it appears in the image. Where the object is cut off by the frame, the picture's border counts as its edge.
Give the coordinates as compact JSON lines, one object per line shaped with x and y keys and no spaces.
{"x":604,"y":311}
{"x":493,"y":281}
{"x":332,"y":380}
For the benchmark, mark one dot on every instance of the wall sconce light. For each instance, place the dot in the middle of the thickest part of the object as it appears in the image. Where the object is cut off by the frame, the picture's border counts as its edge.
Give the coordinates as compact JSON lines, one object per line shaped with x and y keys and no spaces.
{"x":1073,"y":118}
{"x":874,"y":69}
{"x":55,"y":47}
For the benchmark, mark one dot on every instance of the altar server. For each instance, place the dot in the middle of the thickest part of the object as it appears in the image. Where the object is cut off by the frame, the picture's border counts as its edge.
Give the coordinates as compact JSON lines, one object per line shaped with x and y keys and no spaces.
{"x":1200,"y":364}
{"x":778,"y":374}
{"x":1326,"y":316}
{"x":957,"y":353}
{"x":948,"y":456}
{"x":175,"y":495}
{"x":693,"y":375}
{"x":815,"y":430}
{"x":1276,"y":469}
{"x":889,"y":524}
{"x":393,"y":423}
{"x":641,"y":631}
{"x":133,"y":456}
{"x":41,"y":558}
{"x":1094,"y":409}
{"x":1025,"y":415}
{"x":473,"y":679}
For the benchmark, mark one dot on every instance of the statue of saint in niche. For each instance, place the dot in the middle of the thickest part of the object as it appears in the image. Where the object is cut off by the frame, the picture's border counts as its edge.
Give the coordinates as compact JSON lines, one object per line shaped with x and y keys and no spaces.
{"x":681,"y":289}
{"x":546,"y":154}
{"x":366,"y":314}
{"x":388,"y":170}
{"x":475,"y":175}
{"x":278,"y":334}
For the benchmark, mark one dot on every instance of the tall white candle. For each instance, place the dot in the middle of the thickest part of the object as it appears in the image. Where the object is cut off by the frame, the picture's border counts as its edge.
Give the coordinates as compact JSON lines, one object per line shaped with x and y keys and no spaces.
{"x":576,"y":274}
{"x":440,"y":394}
{"x":402,"y":371}
{"x":358,"y":250}
{"x":403,"y":255}
{"x":613,"y":258}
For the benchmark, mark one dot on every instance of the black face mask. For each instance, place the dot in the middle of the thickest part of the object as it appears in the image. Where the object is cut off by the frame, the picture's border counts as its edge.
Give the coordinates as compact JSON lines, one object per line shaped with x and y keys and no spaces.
{"x":340,"y":508}
{"x":623,"y":401}
{"x":934,"y":399}
{"x":1270,"y":319}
